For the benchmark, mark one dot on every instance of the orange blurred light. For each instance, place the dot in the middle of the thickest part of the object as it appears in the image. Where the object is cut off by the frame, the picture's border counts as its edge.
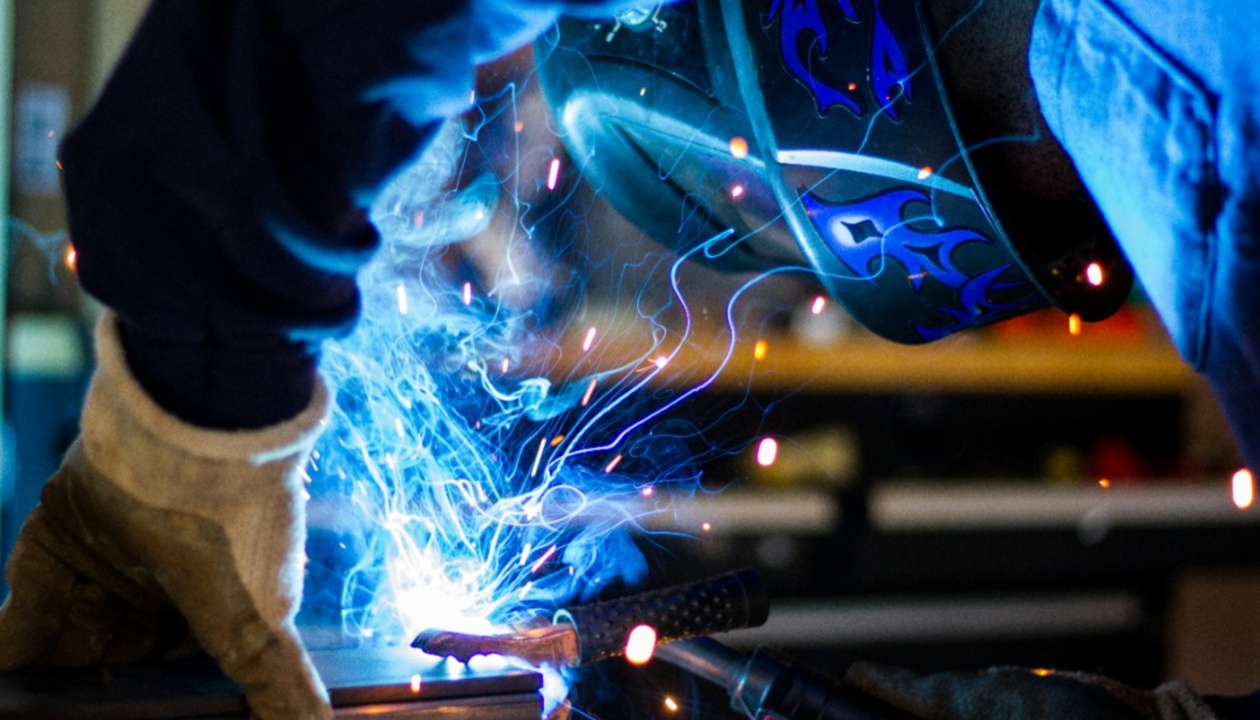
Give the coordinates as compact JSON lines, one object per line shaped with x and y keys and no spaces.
{"x":925,"y":172}
{"x":707,"y":527}
{"x":760,"y":350}
{"x":640,"y":644}
{"x":671,"y":704}
{"x":415,"y":683}
{"x":739,"y":148}
{"x":590,"y":390}
{"x":1104,"y":483}
{"x":72,"y":258}
{"x":1074,"y":324}
{"x":612,"y":465}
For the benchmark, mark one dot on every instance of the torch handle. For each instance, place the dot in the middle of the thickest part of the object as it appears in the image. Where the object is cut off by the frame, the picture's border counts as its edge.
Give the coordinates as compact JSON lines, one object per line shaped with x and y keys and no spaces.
{"x":726,"y":602}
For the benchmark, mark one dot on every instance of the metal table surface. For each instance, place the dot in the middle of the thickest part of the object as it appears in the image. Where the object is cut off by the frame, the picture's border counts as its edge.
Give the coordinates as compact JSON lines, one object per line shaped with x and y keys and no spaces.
{"x":374,"y":682}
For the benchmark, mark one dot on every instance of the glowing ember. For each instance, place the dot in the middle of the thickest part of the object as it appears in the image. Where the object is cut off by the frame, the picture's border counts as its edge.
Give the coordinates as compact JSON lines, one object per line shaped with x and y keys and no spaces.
{"x":1104,"y":483}
{"x":1094,"y":274}
{"x":640,"y":644}
{"x":553,"y":175}
{"x":1074,"y":324}
{"x":739,"y":148}
{"x":767,"y":452}
{"x":1243,"y":485}
{"x":707,"y":527}
{"x":925,"y":172}
{"x":72,"y":258}
{"x":671,"y":704}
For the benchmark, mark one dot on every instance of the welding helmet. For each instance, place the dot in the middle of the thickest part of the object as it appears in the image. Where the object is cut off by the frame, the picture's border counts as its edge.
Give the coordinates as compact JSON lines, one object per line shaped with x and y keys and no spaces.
{"x":759,"y":134}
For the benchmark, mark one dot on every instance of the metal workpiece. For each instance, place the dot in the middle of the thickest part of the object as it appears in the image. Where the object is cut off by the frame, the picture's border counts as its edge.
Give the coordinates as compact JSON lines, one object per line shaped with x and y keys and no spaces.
{"x":395,"y":683}
{"x":585,"y":634}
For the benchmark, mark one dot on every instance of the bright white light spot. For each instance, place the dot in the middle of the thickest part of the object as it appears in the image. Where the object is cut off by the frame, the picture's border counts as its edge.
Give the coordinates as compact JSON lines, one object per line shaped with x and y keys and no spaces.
{"x":642,"y":91}
{"x":590,"y":390}
{"x":647,"y":491}
{"x":767,"y":452}
{"x":640,"y":644}
{"x":415,"y":683}
{"x":739,"y":148}
{"x":1094,"y":274}
{"x":737,"y":191}
{"x":1244,"y":489}
{"x":820,"y":302}
{"x":542,"y":445}
{"x":402,"y":299}
{"x":506,"y":364}
{"x":661,"y":362}
{"x":589,"y":341}
{"x":925,"y":172}
{"x":707,"y":527}
{"x":553,"y":175}
{"x":671,"y":704}
{"x":468,"y":293}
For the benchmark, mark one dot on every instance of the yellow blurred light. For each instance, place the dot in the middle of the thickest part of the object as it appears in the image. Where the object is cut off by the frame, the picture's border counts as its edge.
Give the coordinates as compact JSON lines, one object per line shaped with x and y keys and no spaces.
{"x":1043,"y":672}
{"x":1074,"y":324}
{"x":671,"y":704}
{"x":1243,"y":485}
{"x":760,"y":350}
{"x":555,"y":441}
{"x":1104,"y":483}
{"x":739,"y":148}
{"x":640,"y":644}
{"x":767,"y":452}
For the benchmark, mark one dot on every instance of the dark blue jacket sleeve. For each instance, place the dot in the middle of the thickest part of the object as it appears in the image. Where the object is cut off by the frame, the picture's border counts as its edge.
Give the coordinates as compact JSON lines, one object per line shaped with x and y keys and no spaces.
{"x":217,"y":190}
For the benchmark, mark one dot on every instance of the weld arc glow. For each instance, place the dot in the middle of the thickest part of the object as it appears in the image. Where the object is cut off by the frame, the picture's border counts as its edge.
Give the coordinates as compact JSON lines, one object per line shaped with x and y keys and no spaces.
{"x":439,"y":498}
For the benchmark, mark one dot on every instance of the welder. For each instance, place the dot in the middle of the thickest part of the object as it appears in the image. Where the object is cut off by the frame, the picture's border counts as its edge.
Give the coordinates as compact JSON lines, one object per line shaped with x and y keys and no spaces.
{"x":217,"y":196}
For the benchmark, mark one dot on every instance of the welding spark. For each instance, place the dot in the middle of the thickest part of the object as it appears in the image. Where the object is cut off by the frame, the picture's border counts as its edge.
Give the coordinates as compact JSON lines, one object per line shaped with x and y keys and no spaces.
{"x":613,"y":464}
{"x":1243,"y":487}
{"x":553,"y":175}
{"x":589,"y":341}
{"x":820,"y":303}
{"x":767,"y":452}
{"x":590,"y":390}
{"x":760,"y":350}
{"x":671,"y":704}
{"x":468,"y":293}
{"x":640,"y":645}
{"x":1094,"y":274}
{"x":402,"y":299}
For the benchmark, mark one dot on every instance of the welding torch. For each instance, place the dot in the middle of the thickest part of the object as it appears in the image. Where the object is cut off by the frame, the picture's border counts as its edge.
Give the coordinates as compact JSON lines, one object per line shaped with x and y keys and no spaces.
{"x":764,"y":685}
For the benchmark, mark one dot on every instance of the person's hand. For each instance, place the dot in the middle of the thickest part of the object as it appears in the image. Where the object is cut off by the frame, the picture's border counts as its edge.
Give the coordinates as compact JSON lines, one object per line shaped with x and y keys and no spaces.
{"x":154,"y":529}
{"x":1020,"y":694}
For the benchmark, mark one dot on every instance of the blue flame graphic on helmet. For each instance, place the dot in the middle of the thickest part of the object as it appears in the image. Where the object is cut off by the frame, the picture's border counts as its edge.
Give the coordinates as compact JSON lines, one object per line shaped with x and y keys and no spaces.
{"x":888,"y":73}
{"x":866,"y":233}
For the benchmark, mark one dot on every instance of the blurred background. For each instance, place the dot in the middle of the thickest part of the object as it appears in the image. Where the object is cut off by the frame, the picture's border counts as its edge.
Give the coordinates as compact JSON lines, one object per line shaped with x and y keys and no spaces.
{"x":1037,"y":493}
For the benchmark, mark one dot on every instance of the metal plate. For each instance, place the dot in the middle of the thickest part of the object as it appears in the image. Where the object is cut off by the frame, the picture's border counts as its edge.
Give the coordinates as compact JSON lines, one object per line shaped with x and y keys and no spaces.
{"x":376,"y":682}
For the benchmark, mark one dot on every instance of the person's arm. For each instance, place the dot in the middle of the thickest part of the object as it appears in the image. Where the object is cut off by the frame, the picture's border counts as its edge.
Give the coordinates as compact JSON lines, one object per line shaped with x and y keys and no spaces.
{"x":216,"y":197}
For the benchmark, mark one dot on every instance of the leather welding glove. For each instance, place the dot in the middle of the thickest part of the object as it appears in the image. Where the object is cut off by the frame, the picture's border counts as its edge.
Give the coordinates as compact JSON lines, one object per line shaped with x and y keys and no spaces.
{"x":1020,"y":694}
{"x":149,"y":520}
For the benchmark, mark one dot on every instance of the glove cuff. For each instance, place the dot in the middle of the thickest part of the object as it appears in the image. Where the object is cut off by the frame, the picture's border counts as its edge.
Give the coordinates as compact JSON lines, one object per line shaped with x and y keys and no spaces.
{"x":116,"y":395}
{"x":1170,"y":701}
